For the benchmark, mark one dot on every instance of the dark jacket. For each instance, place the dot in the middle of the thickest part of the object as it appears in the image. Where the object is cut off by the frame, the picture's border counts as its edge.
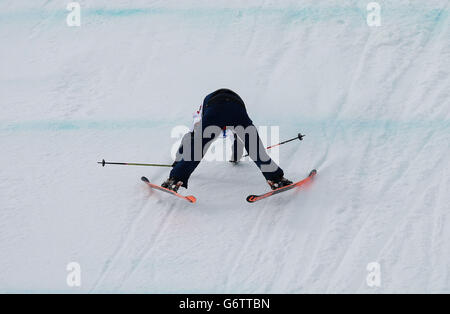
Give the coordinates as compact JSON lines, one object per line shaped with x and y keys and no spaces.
{"x":220,"y":96}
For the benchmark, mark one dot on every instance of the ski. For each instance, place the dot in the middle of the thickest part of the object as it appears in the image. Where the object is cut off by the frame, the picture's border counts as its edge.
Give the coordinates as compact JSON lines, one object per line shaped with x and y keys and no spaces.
{"x":190,"y":199}
{"x":255,"y":198}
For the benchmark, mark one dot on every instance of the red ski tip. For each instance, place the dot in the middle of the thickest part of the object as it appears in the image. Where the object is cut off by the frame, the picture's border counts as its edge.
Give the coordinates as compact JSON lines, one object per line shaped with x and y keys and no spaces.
{"x":191,"y":199}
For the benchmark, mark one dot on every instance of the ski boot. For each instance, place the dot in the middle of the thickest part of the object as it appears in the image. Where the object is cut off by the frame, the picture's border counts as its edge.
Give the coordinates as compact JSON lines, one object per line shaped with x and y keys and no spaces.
{"x":274,"y":185}
{"x":172,"y":184}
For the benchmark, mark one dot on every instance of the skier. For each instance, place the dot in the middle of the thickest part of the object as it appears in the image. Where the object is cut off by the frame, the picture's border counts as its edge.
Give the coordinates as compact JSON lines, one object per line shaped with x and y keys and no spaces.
{"x":221,"y":109}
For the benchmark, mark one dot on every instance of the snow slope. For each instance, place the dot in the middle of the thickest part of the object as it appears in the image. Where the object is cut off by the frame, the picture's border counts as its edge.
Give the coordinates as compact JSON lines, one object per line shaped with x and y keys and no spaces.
{"x":373,"y":101}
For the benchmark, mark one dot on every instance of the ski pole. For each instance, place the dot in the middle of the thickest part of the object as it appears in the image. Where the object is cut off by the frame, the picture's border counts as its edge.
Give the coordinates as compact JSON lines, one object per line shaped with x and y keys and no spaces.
{"x":300,"y":137}
{"x":103,"y":163}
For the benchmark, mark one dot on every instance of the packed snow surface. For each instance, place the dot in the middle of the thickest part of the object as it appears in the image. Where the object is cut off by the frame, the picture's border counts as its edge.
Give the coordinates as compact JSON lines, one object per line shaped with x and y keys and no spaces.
{"x":374,"y":103}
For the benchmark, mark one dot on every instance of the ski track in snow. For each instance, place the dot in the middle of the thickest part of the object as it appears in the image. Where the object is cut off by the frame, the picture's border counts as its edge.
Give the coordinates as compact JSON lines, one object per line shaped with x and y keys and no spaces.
{"x":123,"y":243}
{"x":374,"y":103}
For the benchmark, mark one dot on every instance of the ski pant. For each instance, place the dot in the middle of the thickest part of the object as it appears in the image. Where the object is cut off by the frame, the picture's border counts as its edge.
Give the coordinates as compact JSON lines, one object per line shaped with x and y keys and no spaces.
{"x":223,"y":109}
